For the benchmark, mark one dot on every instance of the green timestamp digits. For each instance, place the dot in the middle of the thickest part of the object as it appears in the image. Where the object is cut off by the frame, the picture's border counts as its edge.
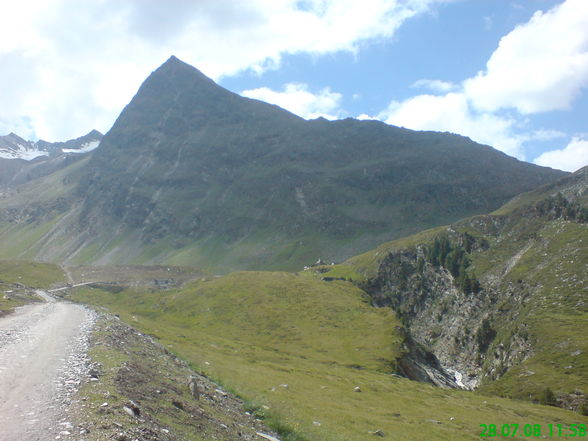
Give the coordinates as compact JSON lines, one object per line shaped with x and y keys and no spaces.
{"x":536,"y":430}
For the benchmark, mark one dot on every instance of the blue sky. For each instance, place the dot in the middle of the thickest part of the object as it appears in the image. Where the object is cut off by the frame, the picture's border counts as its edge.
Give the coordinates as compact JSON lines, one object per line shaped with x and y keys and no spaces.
{"x":509,"y":73}
{"x":450,"y":42}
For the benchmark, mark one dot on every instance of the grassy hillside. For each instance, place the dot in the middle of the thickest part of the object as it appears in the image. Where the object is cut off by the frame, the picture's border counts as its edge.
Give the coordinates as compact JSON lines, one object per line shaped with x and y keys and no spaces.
{"x":552,"y":265}
{"x":296,"y":347}
{"x":17,"y":278}
{"x":31,"y":274}
{"x":530,"y":259}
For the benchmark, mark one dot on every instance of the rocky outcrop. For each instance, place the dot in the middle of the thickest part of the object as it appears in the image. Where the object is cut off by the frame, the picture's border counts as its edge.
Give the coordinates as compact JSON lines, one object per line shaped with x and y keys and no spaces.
{"x":452,"y":332}
{"x":143,"y":394}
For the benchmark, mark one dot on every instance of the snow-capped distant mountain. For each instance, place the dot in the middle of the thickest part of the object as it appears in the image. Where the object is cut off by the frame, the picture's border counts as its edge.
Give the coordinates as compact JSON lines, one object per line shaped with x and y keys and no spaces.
{"x":13,"y":146}
{"x":84,"y":148}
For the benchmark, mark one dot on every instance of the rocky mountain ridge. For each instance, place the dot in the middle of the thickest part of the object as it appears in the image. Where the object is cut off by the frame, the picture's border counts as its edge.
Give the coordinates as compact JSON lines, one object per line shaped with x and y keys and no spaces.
{"x":13,"y":146}
{"x":192,"y":173}
{"x":22,"y":161}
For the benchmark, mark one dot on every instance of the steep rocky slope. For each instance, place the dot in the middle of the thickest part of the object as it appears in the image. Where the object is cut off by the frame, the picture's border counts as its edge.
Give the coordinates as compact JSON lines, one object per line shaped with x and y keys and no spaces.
{"x":147,"y":395}
{"x":501,"y":300}
{"x":193,"y":174}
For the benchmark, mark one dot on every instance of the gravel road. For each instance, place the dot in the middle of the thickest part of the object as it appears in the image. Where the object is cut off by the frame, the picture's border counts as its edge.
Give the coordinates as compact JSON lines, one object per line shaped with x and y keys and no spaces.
{"x":42,"y":363}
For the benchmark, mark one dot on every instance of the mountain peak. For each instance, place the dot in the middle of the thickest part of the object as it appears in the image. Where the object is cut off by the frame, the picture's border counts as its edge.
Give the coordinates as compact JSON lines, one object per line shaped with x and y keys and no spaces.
{"x":174,"y":61}
{"x":188,"y":164}
{"x":14,"y":137}
{"x":95,"y":134}
{"x":176,"y":69}
{"x":172,"y":94}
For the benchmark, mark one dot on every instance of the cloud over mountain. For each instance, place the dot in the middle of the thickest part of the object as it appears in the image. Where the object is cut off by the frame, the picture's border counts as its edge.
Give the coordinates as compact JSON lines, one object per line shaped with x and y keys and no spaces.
{"x":541,"y":65}
{"x":571,"y":158}
{"x":299,"y":100}
{"x":78,"y":63}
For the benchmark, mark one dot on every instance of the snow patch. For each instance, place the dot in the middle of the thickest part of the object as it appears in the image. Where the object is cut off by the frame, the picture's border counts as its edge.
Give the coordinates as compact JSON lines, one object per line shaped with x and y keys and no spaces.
{"x":84,"y":148}
{"x":22,"y":152}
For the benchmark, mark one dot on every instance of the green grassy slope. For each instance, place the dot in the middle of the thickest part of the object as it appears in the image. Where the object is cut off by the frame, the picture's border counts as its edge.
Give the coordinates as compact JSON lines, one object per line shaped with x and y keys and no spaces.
{"x":544,"y":253}
{"x":18,"y":277}
{"x":534,"y":286}
{"x":296,"y":347}
{"x":554,"y":269}
{"x":31,"y":274}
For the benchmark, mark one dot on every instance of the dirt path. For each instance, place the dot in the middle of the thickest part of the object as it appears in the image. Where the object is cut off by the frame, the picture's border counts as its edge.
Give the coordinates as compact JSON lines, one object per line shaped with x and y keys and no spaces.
{"x":67,"y":273}
{"x":42,"y":362}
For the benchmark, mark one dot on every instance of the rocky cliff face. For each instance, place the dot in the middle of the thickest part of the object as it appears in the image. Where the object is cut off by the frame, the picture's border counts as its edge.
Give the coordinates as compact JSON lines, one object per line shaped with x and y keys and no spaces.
{"x":454,"y":324}
{"x":498,"y":301}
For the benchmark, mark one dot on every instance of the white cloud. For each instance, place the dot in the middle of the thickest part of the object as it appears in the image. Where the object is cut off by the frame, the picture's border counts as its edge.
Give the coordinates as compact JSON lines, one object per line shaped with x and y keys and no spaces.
{"x":434,"y":85}
{"x":571,"y":158}
{"x":452,"y":113}
{"x":541,"y":65}
{"x":366,"y":117}
{"x":299,"y":100}
{"x":545,"y":135}
{"x":78,"y":63}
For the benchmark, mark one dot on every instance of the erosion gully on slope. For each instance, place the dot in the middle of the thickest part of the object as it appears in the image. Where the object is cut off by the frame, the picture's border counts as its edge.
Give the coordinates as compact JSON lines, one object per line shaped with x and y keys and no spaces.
{"x":43,"y":359}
